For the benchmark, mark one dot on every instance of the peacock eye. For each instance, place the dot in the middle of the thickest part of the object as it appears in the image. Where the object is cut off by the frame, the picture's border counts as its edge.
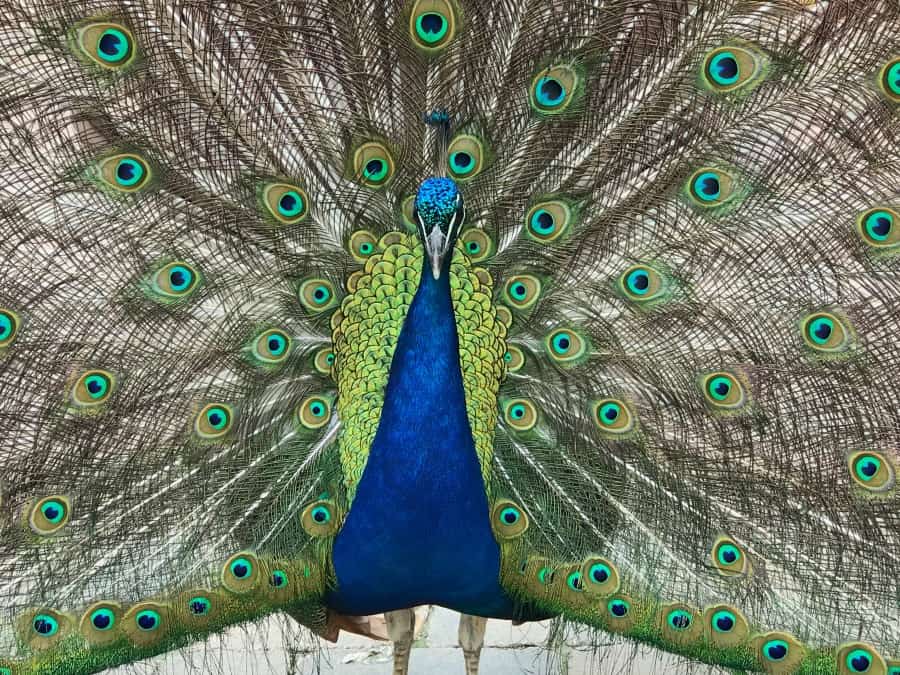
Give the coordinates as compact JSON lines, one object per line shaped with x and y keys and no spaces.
{"x":174,"y":281}
{"x":618,"y":608}
{"x":679,"y":620}
{"x":599,"y":576}
{"x":102,"y":619}
{"x":723,"y":390}
{"x":858,"y":660}
{"x":317,"y":295}
{"x":432,"y":24}
{"x":728,"y":557}
{"x":553,"y":89}
{"x":314,"y":412}
{"x":373,"y":164}
{"x":566,"y":346}
{"x":522,"y":291}
{"x":278,"y":579}
{"x":710,"y":187}
{"x":477,"y":244}
{"x":514,"y":358}
{"x":125,"y":172}
{"x":640,"y":283}
{"x":520,"y":414}
{"x":731,"y":68}
{"x":286,"y":203}
{"x":214,"y":421}
{"x":548,"y":221}
{"x":825,"y":332}
{"x":92,"y":388}
{"x":320,"y":519}
{"x":613,"y":416}
{"x":241,"y":572}
{"x":723,"y":621}
{"x":574,"y":581}
{"x":890,"y":80}
{"x":465,"y":157}
{"x":776,"y":650}
{"x":199,"y":605}
{"x":45,"y":625}
{"x":878,"y":227}
{"x":324,"y":360}
{"x":9,"y":327}
{"x":49,"y":515}
{"x":509,"y":519}
{"x":109,"y":45}
{"x":871,"y":471}
{"x":272,"y":346}
{"x":362,"y":245}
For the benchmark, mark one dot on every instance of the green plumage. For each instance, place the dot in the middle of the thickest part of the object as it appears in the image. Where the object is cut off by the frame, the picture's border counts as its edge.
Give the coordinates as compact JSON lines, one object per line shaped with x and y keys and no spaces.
{"x":675,"y":291}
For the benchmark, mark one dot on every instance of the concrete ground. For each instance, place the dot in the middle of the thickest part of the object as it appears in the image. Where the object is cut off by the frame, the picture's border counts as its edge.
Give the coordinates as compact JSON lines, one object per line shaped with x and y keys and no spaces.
{"x":508,"y":650}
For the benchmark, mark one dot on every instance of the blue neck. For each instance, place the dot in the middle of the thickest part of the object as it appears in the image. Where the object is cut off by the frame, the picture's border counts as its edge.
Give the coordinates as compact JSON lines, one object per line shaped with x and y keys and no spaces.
{"x":418,"y":531}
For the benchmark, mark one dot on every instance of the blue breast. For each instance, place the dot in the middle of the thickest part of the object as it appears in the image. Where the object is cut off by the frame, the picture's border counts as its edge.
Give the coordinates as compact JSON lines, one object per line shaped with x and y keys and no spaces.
{"x":418,"y":531}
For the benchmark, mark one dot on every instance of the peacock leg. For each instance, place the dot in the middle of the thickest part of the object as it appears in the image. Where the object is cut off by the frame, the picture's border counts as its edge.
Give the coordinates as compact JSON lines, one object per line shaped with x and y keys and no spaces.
{"x":471,"y":639}
{"x":401,"y":626}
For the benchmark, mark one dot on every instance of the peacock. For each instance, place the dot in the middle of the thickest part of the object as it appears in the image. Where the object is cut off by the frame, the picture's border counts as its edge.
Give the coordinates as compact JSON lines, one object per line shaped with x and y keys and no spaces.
{"x":531,"y":309}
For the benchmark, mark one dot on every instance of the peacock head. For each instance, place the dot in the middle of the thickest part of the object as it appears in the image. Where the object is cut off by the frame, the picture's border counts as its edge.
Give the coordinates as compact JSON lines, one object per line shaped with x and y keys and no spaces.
{"x":439,"y":213}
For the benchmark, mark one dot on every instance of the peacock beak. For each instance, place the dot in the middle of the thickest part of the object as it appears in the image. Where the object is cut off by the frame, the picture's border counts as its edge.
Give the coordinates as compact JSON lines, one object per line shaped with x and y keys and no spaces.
{"x":436,"y":245}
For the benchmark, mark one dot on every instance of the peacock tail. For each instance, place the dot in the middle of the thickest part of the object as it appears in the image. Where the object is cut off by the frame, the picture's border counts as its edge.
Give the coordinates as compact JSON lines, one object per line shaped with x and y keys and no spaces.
{"x":651,"y":386}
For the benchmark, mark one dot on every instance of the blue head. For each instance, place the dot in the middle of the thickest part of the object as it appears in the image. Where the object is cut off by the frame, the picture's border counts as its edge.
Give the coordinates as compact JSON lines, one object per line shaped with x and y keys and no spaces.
{"x":439,"y":214}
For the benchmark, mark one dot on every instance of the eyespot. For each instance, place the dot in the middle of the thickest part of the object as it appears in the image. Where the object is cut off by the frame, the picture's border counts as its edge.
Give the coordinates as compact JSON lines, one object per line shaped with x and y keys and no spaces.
{"x":613,"y":416}
{"x":723,"y":390}
{"x":710,"y":187}
{"x":858,"y":657}
{"x":278,"y":579}
{"x":174,"y":281}
{"x":373,"y":164}
{"x":45,"y":625}
{"x":320,"y":519}
{"x":566,"y":346}
{"x":241,"y":572}
{"x":324,"y":360}
{"x":554,"y":89}
{"x":825,"y":332}
{"x":890,"y":80}
{"x":574,"y":582}
{"x":145,"y":623}
{"x":509,"y":520}
{"x":362,"y":245}
{"x":477,"y":244}
{"x":125,"y":172}
{"x":779,"y":652}
{"x":871,"y":471}
{"x":731,"y":68}
{"x":214,"y":421}
{"x":640,"y":283}
{"x":600,"y":576}
{"x":432,"y":24}
{"x":99,"y":623}
{"x":109,"y":45}
{"x":317,"y":295}
{"x":314,"y":412}
{"x":286,"y":203}
{"x":9,"y":327}
{"x":199,"y":605}
{"x":879,"y":227}
{"x":679,"y":620}
{"x":465,"y":157}
{"x":729,"y":558}
{"x":520,"y":414}
{"x":514,"y":358}
{"x":50,"y":514}
{"x":271,"y":347}
{"x":618,"y":608}
{"x":93,"y":388}
{"x":548,"y":221}
{"x":723,"y":621}
{"x":522,"y":291}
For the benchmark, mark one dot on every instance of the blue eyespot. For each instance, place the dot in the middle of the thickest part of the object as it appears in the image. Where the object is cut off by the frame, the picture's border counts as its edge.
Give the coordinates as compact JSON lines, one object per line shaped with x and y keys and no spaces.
{"x":859,"y":661}
{"x":241,"y":568}
{"x":550,"y":92}
{"x":45,"y":625}
{"x":113,"y":46}
{"x":509,"y":516}
{"x":199,"y":606}
{"x":8,"y":326}
{"x":573,"y":581}
{"x":724,"y":621}
{"x":290,"y":205}
{"x":321,"y":514}
{"x":462,"y":163}
{"x":600,"y":573}
{"x":54,"y":511}
{"x":638,"y":282}
{"x":147,"y":620}
{"x":724,"y":69}
{"x":618,"y":608}
{"x":706,"y":186}
{"x":679,"y":620}
{"x":129,"y":172}
{"x":102,"y":619}
{"x":278,"y":579}
{"x":776,"y":650}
